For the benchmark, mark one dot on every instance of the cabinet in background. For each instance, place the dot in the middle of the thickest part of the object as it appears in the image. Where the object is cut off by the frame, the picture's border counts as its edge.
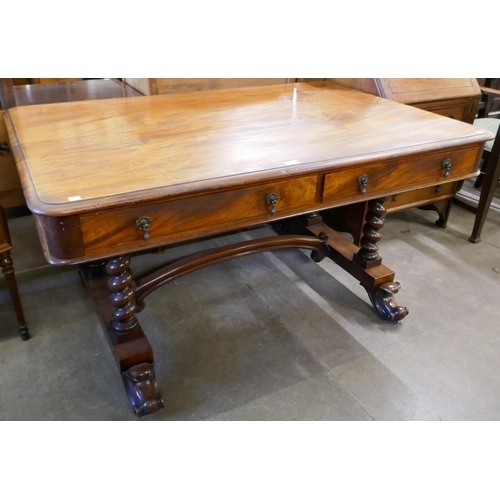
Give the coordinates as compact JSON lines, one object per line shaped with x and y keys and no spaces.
{"x":155,"y":86}
{"x":455,"y":98}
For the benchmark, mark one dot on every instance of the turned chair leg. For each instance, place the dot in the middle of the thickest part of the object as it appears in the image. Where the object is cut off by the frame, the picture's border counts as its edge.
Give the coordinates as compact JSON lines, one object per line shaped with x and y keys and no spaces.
{"x":490,"y":182}
{"x":8,"y":271}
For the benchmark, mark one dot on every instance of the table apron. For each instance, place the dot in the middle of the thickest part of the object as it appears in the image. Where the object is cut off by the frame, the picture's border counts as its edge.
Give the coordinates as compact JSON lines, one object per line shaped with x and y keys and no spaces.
{"x":113,"y":231}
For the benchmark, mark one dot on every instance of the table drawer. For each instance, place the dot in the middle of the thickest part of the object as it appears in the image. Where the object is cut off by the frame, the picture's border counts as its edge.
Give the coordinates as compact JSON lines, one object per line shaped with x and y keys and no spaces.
{"x":419,"y":197}
{"x":194,"y":217}
{"x":457,"y":112}
{"x":399,"y":175}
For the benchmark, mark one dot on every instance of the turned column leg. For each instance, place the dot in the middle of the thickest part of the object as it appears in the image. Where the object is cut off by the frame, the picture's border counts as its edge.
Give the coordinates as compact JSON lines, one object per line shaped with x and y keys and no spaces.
{"x":121,"y":285}
{"x":368,"y":256}
{"x":8,"y":271}
{"x":381,"y":297}
{"x":132,"y":350}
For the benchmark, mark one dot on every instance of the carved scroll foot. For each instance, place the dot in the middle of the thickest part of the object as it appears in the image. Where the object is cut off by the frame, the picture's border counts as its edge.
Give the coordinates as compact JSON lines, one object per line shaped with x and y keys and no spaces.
{"x":141,"y":388}
{"x":382,"y":299}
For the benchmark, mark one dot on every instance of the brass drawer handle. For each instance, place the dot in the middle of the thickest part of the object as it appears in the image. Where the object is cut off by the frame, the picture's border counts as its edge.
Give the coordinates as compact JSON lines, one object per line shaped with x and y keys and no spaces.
{"x":271,"y":200}
{"x":143,"y":224}
{"x":446,"y":168}
{"x":363,"y":182}
{"x":4,"y":148}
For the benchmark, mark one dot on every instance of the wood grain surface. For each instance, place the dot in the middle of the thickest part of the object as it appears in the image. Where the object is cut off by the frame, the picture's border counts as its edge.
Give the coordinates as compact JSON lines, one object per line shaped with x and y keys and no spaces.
{"x":77,"y":157}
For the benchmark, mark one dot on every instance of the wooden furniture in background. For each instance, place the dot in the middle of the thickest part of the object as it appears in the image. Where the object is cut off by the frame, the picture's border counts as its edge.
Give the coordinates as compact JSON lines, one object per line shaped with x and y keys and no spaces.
{"x":8,"y":271}
{"x":87,"y":90}
{"x":489,"y":175}
{"x":155,"y":86}
{"x":487,"y":122}
{"x":7,"y":98}
{"x":490,"y":101}
{"x":456,"y":98}
{"x":43,"y":81}
{"x":70,"y":91}
{"x":149,"y":172}
{"x":11,"y":193}
{"x":22,"y":81}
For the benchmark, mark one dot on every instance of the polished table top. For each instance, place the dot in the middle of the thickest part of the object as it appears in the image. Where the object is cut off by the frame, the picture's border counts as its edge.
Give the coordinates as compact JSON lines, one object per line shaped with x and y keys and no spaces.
{"x":80,"y":156}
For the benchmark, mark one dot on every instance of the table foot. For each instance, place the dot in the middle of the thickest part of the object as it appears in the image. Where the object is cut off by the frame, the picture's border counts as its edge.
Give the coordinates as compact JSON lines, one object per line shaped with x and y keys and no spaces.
{"x":378,"y":281}
{"x":142,"y":390}
{"x":382,"y":299}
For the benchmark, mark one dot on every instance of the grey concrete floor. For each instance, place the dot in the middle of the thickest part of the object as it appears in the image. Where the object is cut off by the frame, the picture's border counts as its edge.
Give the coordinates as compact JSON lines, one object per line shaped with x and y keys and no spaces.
{"x":273,"y":336}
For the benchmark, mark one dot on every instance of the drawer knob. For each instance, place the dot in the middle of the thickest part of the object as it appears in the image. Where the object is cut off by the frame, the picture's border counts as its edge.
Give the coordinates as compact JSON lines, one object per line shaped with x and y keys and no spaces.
{"x":452,"y":116}
{"x":446,"y":168}
{"x":363,"y":182}
{"x":4,"y":148}
{"x":271,"y":200}
{"x":143,"y":224}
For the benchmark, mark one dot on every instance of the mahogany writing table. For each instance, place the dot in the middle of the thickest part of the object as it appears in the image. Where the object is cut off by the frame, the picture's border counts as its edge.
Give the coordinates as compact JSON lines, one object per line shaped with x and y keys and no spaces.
{"x":106,"y":179}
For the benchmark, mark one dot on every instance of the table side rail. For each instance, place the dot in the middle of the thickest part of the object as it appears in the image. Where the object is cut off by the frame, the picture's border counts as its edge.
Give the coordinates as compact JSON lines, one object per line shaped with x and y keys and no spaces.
{"x":107,"y":232}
